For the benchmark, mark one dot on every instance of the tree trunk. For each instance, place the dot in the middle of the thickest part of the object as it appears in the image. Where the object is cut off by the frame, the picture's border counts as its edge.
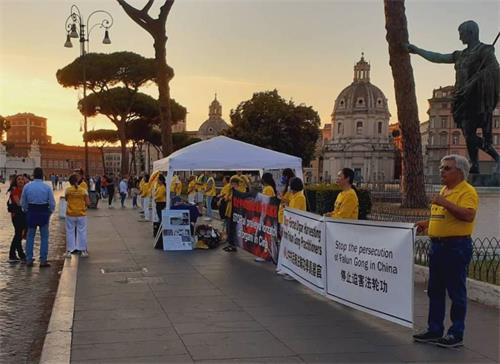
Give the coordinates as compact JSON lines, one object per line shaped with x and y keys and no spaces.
{"x":404,"y":85}
{"x":123,"y":145}
{"x":157,"y":29}
{"x":102,"y":156}
{"x":163,"y":77}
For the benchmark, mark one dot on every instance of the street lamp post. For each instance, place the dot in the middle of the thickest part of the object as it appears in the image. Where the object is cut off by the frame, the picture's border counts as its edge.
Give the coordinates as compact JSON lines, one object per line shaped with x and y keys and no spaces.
{"x":75,"y":28}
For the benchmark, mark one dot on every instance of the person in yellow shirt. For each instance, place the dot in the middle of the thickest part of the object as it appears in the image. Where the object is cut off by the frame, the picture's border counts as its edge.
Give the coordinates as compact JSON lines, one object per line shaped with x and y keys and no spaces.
{"x":452,"y":220}
{"x":200,"y":188}
{"x":210,"y":192}
{"x":244,"y":182}
{"x":346,"y":204}
{"x":235,"y":183}
{"x":297,"y":197}
{"x":77,"y":198}
{"x":81,"y":180}
{"x":175,"y":186}
{"x":269,"y":186}
{"x":286,"y":176}
{"x":191,"y":190}
{"x":224,"y":192}
{"x":160,"y":196}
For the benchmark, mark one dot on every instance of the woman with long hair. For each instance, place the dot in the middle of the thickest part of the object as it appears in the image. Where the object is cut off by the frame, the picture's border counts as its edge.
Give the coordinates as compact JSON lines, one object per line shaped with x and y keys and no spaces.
{"x":285,"y":195}
{"x":77,"y":198}
{"x":269,"y":186}
{"x":18,"y":218}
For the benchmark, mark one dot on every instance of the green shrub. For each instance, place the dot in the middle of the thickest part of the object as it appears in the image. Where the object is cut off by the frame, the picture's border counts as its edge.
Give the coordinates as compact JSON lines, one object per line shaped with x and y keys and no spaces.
{"x":321,"y":198}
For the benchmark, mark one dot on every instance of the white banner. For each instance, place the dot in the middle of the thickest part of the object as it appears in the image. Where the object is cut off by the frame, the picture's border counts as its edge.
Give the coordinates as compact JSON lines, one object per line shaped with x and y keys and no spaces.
{"x":176,"y":230}
{"x":370,"y":267}
{"x":302,"y":249}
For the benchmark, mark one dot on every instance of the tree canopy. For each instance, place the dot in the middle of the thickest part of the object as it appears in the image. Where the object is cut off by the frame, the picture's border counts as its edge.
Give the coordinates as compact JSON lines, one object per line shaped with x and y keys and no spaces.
{"x":269,"y":121}
{"x":101,"y":136}
{"x":103,"y":71}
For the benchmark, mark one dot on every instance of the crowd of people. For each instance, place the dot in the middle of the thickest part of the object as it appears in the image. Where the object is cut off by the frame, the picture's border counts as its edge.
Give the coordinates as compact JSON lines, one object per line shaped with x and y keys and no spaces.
{"x":452,"y":219}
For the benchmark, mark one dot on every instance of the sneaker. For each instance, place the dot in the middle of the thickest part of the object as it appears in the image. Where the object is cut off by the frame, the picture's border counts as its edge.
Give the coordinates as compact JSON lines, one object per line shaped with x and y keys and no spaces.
{"x":259,"y":260}
{"x":14,"y":260}
{"x":288,"y":277}
{"x":67,"y":255}
{"x":76,"y":251}
{"x":450,"y":341}
{"x":29,"y":263}
{"x":44,"y":264}
{"x":84,"y":254}
{"x":426,"y":337}
{"x":280,"y":273}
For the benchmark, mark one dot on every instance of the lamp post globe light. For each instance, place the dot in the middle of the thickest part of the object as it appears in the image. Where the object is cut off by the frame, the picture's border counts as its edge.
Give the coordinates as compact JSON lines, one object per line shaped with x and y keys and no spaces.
{"x":76,"y":27}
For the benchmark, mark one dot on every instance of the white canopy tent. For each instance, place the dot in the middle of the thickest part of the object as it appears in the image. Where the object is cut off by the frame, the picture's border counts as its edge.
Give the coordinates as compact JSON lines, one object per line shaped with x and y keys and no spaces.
{"x":224,"y":154}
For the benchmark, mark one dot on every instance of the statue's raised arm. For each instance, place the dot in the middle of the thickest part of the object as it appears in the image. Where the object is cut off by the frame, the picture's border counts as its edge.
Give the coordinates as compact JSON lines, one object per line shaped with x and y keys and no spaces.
{"x":431,"y":56}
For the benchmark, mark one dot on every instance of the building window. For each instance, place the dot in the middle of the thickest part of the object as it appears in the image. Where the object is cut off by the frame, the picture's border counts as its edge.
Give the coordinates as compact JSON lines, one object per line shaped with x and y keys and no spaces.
{"x":443,"y":139}
{"x":359,"y":127}
{"x":379,"y":102}
{"x":342,"y":103}
{"x":379,"y":127}
{"x":444,"y":122}
{"x":340,"y":129}
{"x":431,"y":139}
{"x":496,"y":122}
{"x":360,"y":102}
{"x":496,"y":139}
{"x":455,"y":139}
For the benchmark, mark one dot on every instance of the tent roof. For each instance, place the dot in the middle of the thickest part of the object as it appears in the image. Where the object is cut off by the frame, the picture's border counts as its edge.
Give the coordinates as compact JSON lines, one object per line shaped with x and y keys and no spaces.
{"x":223,"y":153}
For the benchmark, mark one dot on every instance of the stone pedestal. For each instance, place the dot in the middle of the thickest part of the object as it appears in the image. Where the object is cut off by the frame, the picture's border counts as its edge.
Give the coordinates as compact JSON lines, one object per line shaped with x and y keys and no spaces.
{"x":484,"y":180}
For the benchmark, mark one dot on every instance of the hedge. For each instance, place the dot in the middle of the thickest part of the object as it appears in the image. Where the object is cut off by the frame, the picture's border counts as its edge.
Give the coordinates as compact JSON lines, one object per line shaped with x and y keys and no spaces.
{"x":321,"y":197}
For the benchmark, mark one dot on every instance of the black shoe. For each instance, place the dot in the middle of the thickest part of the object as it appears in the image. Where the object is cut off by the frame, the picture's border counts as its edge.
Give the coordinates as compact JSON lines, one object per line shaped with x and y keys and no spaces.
{"x":427,"y":337}
{"x":14,"y":260}
{"x":450,"y":341}
{"x":76,"y":251}
{"x":229,"y":248}
{"x":29,"y":263}
{"x":44,"y":264}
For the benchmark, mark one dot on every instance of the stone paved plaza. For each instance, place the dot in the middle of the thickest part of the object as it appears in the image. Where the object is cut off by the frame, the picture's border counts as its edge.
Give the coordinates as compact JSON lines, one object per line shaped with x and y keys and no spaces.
{"x":26,"y":295}
{"x":135,"y":304}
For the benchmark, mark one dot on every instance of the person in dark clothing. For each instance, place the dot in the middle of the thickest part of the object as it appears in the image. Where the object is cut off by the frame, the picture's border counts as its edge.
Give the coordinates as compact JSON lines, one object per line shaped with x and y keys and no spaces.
{"x":111,"y":190}
{"x":18,"y":218}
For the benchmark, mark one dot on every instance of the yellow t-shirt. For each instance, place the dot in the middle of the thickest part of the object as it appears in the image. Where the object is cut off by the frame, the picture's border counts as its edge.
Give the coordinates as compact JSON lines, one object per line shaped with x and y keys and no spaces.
{"x":268,"y":191}
{"x":285,"y":199}
{"x":176,"y":186}
{"x":200,"y":185}
{"x":346,"y":205}
{"x":75,"y":197}
{"x":442,"y":223}
{"x":191,"y":186}
{"x":145,"y":189}
{"x":298,"y":201}
{"x":160,"y":193}
{"x":225,"y":190}
{"x":84,"y":185}
{"x":210,"y":189}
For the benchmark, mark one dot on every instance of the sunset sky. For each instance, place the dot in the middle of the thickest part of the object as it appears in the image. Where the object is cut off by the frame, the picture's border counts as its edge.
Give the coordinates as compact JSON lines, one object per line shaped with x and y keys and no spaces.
{"x":304,"y":48}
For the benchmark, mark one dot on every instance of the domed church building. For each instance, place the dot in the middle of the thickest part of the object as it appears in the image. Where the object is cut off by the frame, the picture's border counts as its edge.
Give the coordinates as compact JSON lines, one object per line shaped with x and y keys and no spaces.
{"x":214,"y":125}
{"x":360,"y":131}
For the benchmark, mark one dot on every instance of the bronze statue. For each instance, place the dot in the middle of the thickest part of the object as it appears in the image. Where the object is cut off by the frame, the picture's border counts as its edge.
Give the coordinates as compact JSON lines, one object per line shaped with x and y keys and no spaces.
{"x":477,"y":87}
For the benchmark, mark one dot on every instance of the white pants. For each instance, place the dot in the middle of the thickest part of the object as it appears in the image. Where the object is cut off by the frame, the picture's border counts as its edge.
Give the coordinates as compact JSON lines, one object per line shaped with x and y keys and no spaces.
{"x":147,"y":208}
{"x":76,"y":233}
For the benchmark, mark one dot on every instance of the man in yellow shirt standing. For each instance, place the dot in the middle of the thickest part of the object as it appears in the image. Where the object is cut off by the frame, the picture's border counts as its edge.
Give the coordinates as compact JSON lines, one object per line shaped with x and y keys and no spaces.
{"x":346,"y":204}
{"x":450,"y":226}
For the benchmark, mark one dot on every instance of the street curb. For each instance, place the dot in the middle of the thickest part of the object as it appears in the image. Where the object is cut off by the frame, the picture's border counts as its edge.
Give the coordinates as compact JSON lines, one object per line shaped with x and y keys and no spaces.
{"x":482,"y":292}
{"x":57,"y":344}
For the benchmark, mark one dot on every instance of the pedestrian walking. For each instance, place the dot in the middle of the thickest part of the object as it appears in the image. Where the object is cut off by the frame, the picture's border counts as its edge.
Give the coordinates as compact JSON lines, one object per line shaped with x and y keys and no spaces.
{"x":18,"y":218}
{"x":134,"y":192}
{"x":123,"y":188}
{"x":110,"y":187}
{"x":37,"y":200}
{"x":77,"y":199}
{"x":450,"y":226}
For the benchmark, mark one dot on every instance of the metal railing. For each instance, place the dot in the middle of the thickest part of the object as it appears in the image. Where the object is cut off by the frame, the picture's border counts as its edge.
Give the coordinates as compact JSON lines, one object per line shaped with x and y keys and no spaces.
{"x":485,"y":262}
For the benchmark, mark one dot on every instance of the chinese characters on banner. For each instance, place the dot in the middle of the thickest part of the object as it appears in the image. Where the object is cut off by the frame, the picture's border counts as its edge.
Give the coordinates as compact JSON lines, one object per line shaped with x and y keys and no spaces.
{"x":302,"y":250}
{"x":255,"y":220}
{"x":361,"y":264}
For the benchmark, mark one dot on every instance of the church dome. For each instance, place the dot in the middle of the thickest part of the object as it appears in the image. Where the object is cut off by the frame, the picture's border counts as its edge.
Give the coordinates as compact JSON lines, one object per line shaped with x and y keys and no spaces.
{"x":361,"y":96}
{"x":214,"y":125}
